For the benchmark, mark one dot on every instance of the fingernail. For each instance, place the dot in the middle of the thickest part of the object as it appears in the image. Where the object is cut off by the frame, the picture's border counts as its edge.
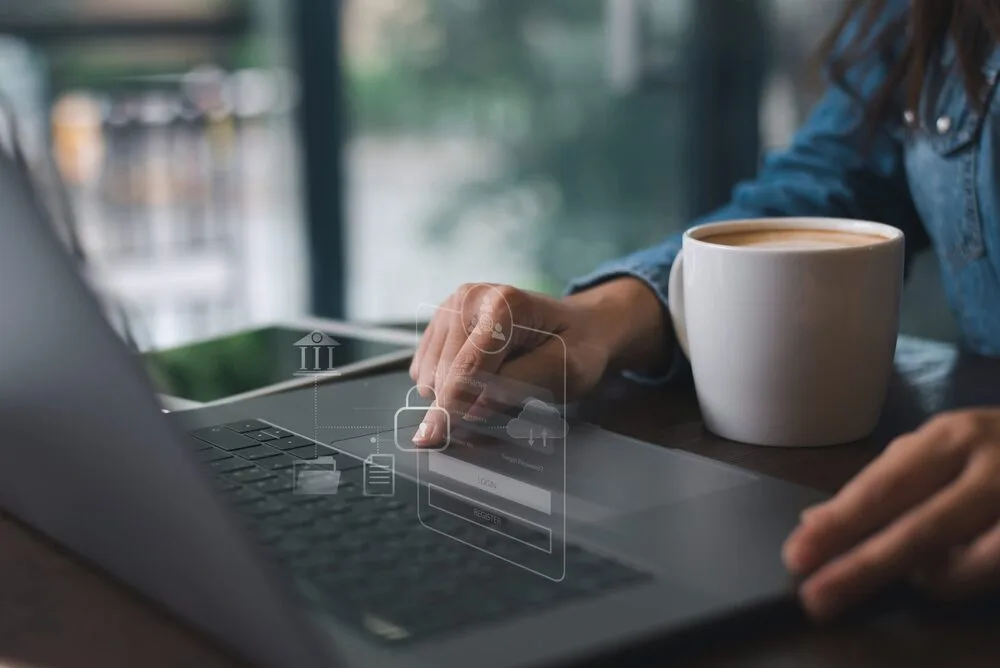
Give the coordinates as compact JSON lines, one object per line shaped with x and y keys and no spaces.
{"x":819,"y":610}
{"x":794,"y":555}
{"x":811,"y":510}
{"x":423,"y":435}
{"x":819,"y":604}
{"x":790,"y":555}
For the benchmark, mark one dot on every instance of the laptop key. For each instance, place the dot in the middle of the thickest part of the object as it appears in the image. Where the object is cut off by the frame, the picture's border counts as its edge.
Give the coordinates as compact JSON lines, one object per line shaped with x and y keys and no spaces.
{"x":308,"y":452}
{"x":251,"y":475}
{"x":260,"y":452}
{"x":292,"y":519}
{"x":197,"y":444}
{"x":262,"y":436}
{"x":276,"y":463}
{"x":263,"y":508}
{"x":273,"y":485}
{"x":281,"y":463}
{"x":213,"y":455}
{"x":290,"y":442}
{"x":248,"y":425}
{"x":309,"y":500}
{"x":278,"y":433}
{"x":225,"y":438}
{"x":244,"y":495}
{"x":223,"y":485}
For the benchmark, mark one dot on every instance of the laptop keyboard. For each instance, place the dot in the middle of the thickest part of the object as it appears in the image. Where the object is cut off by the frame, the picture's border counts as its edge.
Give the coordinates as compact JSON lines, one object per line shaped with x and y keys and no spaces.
{"x":368,"y":560}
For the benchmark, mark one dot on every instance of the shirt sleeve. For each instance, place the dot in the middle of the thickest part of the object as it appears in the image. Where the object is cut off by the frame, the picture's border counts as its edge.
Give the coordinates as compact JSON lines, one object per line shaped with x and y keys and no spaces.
{"x":833,"y":168}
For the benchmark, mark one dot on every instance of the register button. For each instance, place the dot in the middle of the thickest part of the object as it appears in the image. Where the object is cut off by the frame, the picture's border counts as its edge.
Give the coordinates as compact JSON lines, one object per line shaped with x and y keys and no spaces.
{"x":509,"y":526}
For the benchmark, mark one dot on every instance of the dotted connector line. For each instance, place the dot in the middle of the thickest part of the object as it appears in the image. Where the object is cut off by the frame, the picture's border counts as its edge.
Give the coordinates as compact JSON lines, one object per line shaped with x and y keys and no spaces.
{"x":316,"y":416}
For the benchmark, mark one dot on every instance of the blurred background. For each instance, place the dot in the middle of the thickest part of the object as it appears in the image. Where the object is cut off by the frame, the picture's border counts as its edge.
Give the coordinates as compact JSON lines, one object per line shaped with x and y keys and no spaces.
{"x":234,"y":162}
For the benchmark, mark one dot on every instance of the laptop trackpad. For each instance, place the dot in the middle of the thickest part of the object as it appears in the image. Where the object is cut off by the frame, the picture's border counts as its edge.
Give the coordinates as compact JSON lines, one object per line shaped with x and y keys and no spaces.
{"x":610,"y":475}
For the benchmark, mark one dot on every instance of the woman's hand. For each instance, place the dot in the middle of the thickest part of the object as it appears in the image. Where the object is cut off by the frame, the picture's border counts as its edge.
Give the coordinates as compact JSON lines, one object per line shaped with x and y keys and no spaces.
{"x":574,"y":340}
{"x":926,"y":510}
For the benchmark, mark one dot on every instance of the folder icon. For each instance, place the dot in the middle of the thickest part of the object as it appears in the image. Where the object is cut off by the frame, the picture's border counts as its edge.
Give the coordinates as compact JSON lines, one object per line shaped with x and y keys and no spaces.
{"x":319,"y":476}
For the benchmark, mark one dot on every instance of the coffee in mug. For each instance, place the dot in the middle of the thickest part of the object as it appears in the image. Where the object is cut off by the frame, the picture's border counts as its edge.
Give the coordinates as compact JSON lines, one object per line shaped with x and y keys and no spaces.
{"x":793,"y":238}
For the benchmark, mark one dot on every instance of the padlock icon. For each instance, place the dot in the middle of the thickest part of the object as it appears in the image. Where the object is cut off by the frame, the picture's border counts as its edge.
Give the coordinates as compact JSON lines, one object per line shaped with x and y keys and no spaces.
{"x":406,"y":444}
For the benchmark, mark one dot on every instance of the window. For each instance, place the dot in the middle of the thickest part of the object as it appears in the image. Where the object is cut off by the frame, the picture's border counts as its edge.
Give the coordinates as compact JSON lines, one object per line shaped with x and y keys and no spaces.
{"x":526,"y":141}
{"x":510,"y":141}
{"x":493,"y":141}
{"x":172,"y":124}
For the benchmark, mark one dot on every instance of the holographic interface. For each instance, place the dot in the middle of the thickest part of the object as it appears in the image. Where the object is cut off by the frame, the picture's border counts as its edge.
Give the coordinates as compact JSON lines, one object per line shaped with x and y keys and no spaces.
{"x":499,"y":486}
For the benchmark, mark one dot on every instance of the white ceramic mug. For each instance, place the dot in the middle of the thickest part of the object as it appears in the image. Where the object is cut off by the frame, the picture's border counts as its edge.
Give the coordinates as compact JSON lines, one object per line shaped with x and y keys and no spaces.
{"x":789,"y":346}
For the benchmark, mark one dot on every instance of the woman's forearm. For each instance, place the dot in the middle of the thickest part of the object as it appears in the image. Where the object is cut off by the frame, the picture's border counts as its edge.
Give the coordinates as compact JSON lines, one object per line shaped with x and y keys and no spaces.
{"x":628,"y":320}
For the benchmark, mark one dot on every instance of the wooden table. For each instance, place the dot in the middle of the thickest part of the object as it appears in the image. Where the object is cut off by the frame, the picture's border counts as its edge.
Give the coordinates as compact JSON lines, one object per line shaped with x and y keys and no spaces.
{"x":58,"y":613}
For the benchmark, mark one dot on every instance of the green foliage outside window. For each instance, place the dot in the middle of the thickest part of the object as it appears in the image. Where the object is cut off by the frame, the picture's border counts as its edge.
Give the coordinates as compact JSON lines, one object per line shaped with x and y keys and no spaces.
{"x":588,"y":174}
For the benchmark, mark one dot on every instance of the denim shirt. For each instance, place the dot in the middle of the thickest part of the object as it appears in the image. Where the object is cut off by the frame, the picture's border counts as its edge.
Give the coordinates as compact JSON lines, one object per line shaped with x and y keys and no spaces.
{"x":933,"y":174}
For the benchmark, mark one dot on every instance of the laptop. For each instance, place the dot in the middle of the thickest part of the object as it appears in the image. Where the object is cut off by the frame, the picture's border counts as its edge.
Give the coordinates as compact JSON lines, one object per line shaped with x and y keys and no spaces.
{"x":300,"y":529}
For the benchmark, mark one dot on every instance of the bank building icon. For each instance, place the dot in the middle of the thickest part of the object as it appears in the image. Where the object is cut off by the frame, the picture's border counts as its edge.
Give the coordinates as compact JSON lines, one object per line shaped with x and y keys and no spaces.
{"x":316,"y":355}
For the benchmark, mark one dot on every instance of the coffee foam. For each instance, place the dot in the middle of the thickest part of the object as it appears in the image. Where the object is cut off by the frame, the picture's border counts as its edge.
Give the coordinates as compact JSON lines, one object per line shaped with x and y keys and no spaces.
{"x":794,"y":239}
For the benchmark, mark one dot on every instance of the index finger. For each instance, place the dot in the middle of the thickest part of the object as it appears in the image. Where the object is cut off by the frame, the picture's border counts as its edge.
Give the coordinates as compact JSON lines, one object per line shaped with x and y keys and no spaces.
{"x":488,"y":317}
{"x":486,"y":321}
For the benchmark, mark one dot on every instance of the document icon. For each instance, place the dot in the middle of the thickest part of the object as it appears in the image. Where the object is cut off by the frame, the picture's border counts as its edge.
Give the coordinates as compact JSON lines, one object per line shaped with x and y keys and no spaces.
{"x":319,"y":476}
{"x":380,"y":478}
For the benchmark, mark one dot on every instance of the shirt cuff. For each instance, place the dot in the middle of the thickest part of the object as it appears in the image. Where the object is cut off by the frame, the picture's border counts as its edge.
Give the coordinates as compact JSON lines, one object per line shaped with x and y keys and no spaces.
{"x":656,"y":278}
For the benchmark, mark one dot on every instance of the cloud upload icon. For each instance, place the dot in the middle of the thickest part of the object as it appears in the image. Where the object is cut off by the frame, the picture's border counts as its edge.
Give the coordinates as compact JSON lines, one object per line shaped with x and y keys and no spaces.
{"x":537,"y":423}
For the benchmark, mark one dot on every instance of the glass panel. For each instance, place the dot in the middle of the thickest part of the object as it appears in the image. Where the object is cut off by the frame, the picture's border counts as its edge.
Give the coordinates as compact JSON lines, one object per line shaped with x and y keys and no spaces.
{"x":23,"y":85}
{"x":490,"y":141}
{"x":517,"y":141}
{"x":525,"y":141}
{"x":82,"y":11}
{"x":181,"y":158}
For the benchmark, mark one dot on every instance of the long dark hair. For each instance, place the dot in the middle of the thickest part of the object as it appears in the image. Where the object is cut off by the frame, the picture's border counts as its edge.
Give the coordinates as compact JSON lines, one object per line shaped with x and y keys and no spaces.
{"x":906,"y":42}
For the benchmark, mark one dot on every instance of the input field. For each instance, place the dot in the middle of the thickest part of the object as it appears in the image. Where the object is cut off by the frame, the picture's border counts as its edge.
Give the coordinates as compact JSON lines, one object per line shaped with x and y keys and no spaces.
{"x":498,"y":484}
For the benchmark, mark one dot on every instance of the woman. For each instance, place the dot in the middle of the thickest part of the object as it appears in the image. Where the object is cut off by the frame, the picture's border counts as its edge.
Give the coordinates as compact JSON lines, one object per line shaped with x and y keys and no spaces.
{"x":907,"y":133}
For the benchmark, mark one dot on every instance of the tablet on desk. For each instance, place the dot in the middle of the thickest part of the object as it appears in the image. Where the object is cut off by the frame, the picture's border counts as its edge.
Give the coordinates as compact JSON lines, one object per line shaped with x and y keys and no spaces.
{"x":272,"y":359}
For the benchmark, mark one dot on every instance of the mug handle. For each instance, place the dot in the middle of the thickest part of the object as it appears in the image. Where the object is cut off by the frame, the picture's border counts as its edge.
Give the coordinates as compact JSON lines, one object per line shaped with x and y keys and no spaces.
{"x":675,"y":302}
